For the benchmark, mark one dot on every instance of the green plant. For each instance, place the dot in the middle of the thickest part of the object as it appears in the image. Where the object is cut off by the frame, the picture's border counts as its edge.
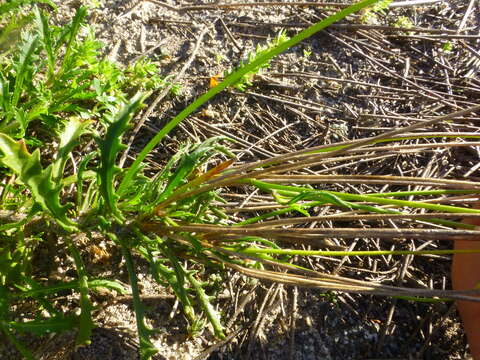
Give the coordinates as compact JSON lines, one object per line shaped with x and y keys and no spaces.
{"x":447,"y":46}
{"x":261,"y":50}
{"x":177,"y":214}
{"x":370,"y":14}
{"x":307,"y":53}
{"x":403,"y":22}
{"x":57,"y":72}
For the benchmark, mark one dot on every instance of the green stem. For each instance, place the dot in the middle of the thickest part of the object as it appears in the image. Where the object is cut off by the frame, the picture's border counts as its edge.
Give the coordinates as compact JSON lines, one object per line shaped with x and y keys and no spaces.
{"x":290,"y":190}
{"x":293,"y":252}
{"x":86,"y":322}
{"x":426,"y":193}
{"x":147,"y":350}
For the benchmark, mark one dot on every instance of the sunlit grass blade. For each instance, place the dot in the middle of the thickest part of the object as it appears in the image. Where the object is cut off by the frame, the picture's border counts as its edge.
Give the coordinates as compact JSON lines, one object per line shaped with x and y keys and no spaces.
{"x":295,"y":252}
{"x":45,"y":326}
{"x":288,"y":190}
{"x":313,"y":156}
{"x":232,"y":79}
{"x":469,"y":186}
{"x":230,"y":232}
{"x":265,"y":169}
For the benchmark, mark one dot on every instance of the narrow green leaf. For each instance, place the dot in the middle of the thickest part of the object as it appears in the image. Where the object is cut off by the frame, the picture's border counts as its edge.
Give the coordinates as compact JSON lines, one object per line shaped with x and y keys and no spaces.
{"x":295,"y":252}
{"x":110,"y":146}
{"x":21,"y":66}
{"x":45,"y":326}
{"x":212,"y":314}
{"x":147,"y":349}
{"x":72,"y":34}
{"x":46,"y":39}
{"x":86,"y":324}
{"x":288,"y":190}
{"x":108,"y":284}
{"x":70,"y":285}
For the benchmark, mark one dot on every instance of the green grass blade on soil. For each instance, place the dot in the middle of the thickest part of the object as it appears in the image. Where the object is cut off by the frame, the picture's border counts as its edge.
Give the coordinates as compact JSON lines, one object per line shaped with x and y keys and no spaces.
{"x":296,"y":252}
{"x":70,"y":285}
{"x":231,"y":80}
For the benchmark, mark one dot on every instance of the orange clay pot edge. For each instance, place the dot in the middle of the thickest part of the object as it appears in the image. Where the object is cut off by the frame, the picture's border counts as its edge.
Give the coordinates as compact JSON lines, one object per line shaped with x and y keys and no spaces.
{"x":465,"y":275}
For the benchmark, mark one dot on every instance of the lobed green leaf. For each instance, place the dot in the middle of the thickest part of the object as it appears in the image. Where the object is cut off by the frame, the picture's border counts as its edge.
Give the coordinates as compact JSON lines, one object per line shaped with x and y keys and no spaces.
{"x":31,"y":173}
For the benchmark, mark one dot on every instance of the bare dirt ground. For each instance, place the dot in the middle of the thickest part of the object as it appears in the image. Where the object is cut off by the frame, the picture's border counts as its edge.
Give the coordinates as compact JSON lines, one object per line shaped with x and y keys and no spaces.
{"x":356,"y":79}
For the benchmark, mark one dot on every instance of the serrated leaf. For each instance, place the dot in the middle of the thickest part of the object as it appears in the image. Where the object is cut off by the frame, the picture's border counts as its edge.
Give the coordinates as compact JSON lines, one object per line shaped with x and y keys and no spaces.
{"x":21,"y":66}
{"x":46,"y":38}
{"x":175,"y":278}
{"x":110,"y":146}
{"x":31,"y":173}
{"x":70,"y":285}
{"x":147,"y":349}
{"x":72,"y":34}
{"x":212,"y":314}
